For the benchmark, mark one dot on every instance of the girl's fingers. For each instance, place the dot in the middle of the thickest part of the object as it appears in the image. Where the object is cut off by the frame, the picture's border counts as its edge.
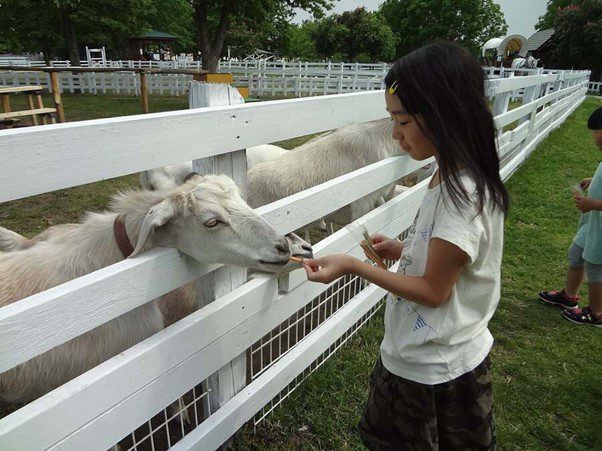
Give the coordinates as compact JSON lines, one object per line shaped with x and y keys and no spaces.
{"x":310,"y":270}
{"x":313,"y":262}
{"x":313,"y":274}
{"x":379,"y":246}
{"x":378,"y":238}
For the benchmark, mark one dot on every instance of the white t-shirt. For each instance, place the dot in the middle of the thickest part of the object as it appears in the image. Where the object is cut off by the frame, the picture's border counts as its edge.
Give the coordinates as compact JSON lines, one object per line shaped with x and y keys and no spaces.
{"x":435,"y":345}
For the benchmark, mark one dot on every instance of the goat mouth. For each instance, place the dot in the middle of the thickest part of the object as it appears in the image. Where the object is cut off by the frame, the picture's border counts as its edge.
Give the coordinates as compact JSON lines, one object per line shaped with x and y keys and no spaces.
{"x":304,"y":255}
{"x":277,"y":263}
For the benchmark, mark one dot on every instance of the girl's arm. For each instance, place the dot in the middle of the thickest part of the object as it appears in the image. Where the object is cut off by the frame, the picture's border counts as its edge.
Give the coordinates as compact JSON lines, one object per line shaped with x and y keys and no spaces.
{"x":444,"y":265}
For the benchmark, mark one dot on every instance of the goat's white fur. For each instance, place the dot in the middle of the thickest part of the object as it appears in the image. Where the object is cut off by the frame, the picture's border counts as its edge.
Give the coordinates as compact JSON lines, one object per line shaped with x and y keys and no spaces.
{"x":324,"y":158}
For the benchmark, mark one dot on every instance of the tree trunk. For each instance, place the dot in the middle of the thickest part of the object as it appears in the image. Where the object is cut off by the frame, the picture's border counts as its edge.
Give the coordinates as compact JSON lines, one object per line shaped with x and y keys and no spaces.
{"x":211,"y":49}
{"x":70,"y":38}
{"x":47,"y":53}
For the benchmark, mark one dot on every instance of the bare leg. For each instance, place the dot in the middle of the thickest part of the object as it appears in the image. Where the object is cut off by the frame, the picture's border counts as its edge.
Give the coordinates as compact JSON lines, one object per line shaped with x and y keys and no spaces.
{"x":574,"y":279}
{"x":595,"y":298}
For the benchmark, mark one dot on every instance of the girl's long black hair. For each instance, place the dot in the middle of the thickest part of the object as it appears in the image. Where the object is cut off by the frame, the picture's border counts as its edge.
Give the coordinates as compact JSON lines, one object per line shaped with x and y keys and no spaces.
{"x":444,"y":84}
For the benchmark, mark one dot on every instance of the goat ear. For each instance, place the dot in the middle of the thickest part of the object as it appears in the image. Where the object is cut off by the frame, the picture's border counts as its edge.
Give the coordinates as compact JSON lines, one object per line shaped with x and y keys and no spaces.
{"x":157,"y":216}
{"x":191,"y":175}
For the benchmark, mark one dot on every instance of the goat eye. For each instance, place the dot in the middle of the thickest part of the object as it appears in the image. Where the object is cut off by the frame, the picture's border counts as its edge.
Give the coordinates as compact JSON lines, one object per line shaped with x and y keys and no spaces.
{"x":212,"y":222}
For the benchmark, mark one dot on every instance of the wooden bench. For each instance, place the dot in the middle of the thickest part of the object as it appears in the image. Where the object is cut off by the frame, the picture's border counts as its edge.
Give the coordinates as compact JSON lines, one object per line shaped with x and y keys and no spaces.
{"x":8,"y":117}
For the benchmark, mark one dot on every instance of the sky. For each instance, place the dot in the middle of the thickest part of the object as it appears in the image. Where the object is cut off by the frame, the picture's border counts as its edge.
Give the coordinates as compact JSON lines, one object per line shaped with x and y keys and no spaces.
{"x":521,"y":15}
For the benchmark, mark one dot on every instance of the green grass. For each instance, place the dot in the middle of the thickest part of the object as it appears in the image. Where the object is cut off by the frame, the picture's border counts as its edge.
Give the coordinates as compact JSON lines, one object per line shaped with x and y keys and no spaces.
{"x":80,"y":107}
{"x":547,"y":371}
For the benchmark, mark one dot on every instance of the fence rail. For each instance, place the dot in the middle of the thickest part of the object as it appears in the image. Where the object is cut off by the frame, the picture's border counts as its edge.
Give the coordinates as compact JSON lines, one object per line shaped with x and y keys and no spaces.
{"x":107,"y":403}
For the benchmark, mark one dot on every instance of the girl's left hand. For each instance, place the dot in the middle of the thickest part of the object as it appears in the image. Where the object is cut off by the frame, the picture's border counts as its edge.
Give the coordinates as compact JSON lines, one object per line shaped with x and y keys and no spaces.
{"x":583,"y":204}
{"x":329,"y":268}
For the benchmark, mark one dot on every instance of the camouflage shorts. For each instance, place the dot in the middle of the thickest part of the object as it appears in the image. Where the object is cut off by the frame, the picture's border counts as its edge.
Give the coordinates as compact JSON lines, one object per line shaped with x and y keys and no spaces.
{"x":404,"y":415}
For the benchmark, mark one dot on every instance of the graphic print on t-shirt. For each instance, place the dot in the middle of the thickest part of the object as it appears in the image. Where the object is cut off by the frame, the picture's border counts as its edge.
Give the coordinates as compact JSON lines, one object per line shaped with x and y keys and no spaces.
{"x":426,"y":233}
{"x":407,"y":308}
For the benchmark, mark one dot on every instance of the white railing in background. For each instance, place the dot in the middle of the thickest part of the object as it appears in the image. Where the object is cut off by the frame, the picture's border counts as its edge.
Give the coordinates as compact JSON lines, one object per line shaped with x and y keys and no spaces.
{"x":263,"y":78}
{"x":595,"y":87}
{"x":107,"y":403}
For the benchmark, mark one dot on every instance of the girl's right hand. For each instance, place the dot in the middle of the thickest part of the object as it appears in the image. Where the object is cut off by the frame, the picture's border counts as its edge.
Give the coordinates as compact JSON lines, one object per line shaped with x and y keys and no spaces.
{"x":584,"y":184}
{"x":386,"y":248}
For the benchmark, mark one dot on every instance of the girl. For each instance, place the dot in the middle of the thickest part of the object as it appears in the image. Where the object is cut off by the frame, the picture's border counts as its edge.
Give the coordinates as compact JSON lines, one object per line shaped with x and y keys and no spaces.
{"x":431,"y":386}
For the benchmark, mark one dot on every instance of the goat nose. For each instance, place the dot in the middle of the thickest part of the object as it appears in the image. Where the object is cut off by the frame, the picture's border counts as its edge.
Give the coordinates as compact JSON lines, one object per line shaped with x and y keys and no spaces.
{"x":307,"y":247}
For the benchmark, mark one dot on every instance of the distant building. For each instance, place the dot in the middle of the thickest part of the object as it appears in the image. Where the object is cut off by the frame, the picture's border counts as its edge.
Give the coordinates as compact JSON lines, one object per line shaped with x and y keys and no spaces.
{"x":154,"y":45}
{"x":539,"y":46}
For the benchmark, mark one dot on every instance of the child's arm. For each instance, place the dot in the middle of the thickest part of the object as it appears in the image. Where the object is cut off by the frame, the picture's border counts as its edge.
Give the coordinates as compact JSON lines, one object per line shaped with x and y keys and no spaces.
{"x":444,"y":265}
{"x":585,"y":204}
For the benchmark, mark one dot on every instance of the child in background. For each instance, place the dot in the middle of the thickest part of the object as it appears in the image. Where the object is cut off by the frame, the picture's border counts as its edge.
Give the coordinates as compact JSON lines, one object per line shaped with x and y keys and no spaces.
{"x":431,"y":386}
{"x":585,"y":253}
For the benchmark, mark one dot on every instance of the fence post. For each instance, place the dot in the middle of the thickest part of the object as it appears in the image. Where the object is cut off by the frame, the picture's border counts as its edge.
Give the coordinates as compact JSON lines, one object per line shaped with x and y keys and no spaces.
{"x":56,"y":95}
{"x":530,"y":94}
{"x":144,"y":91}
{"x":232,"y":377}
{"x":558,"y":83}
{"x":500,"y":103}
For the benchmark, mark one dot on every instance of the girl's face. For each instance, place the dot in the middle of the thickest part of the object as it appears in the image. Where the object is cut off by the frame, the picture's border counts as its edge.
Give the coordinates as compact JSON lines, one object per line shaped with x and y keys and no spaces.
{"x":406,"y":130}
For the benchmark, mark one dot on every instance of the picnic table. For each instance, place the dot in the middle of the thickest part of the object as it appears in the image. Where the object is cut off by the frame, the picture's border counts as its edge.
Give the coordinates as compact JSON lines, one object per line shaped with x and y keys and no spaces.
{"x":37,"y":112}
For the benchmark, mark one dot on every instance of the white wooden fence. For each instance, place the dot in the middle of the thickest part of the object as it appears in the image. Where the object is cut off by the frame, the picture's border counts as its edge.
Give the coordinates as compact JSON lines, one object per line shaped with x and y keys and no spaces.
{"x":109,"y":402}
{"x":177,"y":84}
{"x":595,"y":87}
{"x":246,"y":68}
{"x":264,"y":78}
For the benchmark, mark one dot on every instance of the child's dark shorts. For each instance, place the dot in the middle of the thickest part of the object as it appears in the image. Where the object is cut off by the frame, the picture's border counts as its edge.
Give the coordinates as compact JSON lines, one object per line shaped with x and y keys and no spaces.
{"x":406,"y":415}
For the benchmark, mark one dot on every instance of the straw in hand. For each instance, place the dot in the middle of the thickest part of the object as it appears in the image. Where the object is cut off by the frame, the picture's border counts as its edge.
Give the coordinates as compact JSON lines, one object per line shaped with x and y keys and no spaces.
{"x":371,"y":253}
{"x":367,"y":247}
{"x":359,"y":231}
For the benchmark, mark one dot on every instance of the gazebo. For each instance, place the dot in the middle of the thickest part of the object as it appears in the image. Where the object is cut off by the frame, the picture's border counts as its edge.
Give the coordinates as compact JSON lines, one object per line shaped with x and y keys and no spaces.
{"x":154,"y":45}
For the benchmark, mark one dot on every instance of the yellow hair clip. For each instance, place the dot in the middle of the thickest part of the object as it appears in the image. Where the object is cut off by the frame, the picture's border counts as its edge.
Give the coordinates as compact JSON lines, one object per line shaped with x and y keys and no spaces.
{"x":393,"y":88}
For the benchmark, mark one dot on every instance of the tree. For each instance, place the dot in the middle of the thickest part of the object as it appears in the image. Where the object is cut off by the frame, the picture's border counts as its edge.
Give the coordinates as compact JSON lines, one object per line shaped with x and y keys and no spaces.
{"x":301,"y":43}
{"x":577,"y":39}
{"x":468,"y":22}
{"x":266,"y":28}
{"x":549,"y":17}
{"x":212,"y":20}
{"x":357,"y":35}
{"x":60,"y":27}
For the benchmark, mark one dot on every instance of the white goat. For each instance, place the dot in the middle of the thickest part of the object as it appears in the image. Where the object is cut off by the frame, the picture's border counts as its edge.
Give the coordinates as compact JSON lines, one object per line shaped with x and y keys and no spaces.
{"x":205,"y":218}
{"x":173,"y":305}
{"x":323,"y":158}
{"x":168,"y":177}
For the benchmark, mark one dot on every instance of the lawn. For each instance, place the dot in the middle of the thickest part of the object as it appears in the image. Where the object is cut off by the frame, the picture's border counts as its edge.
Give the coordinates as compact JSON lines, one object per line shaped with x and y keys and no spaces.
{"x":547,"y":371}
